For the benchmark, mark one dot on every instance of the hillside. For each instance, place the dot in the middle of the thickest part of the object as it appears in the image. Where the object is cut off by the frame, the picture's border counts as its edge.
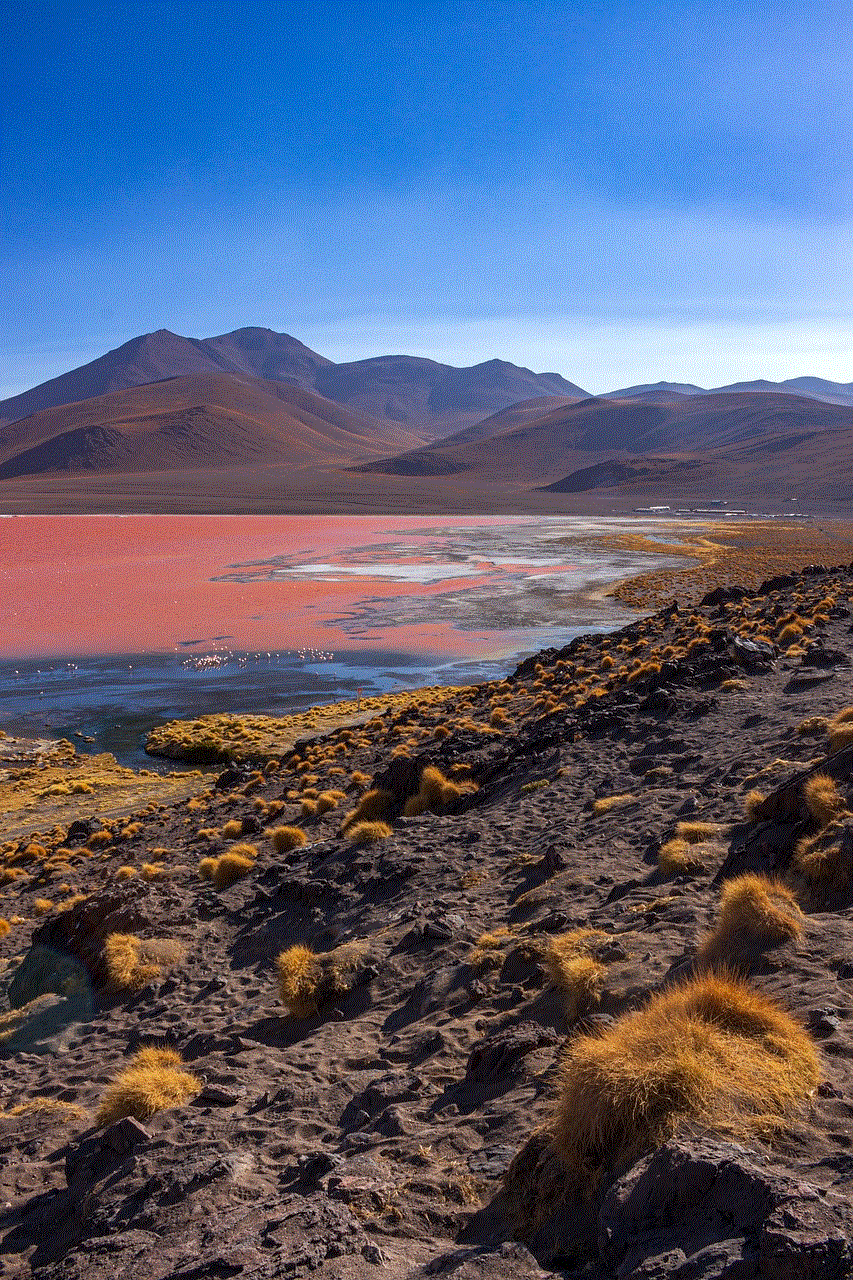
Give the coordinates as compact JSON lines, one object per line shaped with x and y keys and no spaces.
{"x":201,"y":421}
{"x":435,"y":397}
{"x":553,"y":445}
{"x":265,"y":1031}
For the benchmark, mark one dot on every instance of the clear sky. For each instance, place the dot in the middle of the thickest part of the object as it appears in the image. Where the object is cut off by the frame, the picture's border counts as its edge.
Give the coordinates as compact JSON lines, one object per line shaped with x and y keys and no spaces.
{"x":621,"y":191}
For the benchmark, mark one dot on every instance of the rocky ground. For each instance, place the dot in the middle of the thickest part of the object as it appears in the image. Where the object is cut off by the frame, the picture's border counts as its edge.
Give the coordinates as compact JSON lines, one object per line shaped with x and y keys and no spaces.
{"x":384,"y":1103}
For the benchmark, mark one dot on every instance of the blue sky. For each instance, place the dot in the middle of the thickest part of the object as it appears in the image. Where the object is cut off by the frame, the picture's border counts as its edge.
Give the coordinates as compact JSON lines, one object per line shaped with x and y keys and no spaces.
{"x":618,"y":191}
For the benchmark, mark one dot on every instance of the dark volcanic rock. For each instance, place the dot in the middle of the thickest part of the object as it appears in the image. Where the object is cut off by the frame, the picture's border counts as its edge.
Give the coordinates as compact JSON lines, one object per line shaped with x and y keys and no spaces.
{"x":709,"y":1209}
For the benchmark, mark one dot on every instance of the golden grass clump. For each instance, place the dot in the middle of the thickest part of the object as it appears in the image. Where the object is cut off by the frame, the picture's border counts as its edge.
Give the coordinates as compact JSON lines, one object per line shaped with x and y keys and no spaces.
{"x":228,"y":868}
{"x":131,"y":962}
{"x":4,"y":926}
{"x":678,"y":857}
{"x":840,"y":731}
{"x":436,"y":793}
{"x":373,"y":805}
{"x":697,"y":832}
{"x":571,"y":962}
{"x":822,"y":798}
{"x":755,"y":911}
{"x":328,"y":800}
{"x":298,"y":976}
{"x":233,"y":829}
{"x":486,"y":951}
{"x":368,"y":832}
{"x":308,"y":808}
{"x":286,"y":838}
{"x":606,"y":803}
{"x":152,"y":1082}
{"x":712,"y":1051}
{"x":820,"y":861}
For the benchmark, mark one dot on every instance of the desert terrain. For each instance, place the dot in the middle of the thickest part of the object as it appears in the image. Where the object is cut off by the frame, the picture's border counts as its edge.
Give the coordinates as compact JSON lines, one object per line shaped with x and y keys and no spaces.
{"x":549,"y":976}
{"x":255,"y":422}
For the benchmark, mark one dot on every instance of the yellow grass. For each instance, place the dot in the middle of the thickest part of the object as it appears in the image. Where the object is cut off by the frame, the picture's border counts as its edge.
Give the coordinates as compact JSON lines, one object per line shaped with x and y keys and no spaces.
{"x":298,"y":976}
{"x":606,"y":803}
{"x":368,"y":832}
{"x":818,"y":860}
{"x":840,"y":732}
{"x":286,"y":838}
{"x":712,"y":1052}
{"x":229,"y":868}
{"x":678,"y":857}
{"x":152,"y":1082}
{"x":487,"y":948}
{"x":374,"y":804}
{"x":822,"y":798}
{"x":131,"y":962}
{"x":754,"y":911}
{"x":571,"y":962}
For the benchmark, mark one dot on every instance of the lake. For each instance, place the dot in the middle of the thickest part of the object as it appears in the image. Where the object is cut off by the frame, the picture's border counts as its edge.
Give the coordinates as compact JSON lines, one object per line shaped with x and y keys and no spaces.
{"x":112,"y":624}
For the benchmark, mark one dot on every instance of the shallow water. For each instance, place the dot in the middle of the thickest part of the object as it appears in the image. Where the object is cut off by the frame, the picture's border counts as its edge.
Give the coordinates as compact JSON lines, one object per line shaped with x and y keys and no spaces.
{"x":113,"y":624}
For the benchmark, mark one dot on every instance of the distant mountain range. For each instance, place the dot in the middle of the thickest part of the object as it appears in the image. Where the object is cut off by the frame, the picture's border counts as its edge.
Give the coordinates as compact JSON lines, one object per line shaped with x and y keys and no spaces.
{"x":265,"y":413}
{"x":404,"y":389}
{"x":813,"y":388}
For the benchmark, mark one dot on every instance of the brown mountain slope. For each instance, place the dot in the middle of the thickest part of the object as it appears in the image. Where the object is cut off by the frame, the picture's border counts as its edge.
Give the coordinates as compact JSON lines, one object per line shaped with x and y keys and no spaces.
{"x":202,"y":421}
{"x":438,"y":398}
{"x":425,"y":393}
{"x":561,"y":441}
{"x":153,"y":356}
{"x":812,"y":466}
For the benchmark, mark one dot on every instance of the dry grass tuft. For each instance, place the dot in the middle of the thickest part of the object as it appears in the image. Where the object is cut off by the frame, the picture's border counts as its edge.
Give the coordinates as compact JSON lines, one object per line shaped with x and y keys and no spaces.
{"x":286,"y":838}
{"x":572,"y":963}
{"x":697,"y":832}
{"x":230,"y":867}
{"x":436,"y":793}
{"x":755,"y":912}
{"x":487,"y":950}
{"x":840,"y":731}
{"x":368,"y":832}
{"x":298,"y":976}
{"x":306,"y":980}
{"x":712,"y":1051}
{"x":823,"y":800}
{"x":606,"y":803}
{"x":677,"y":857}
{"x":152,"y":1082}
{"x":821,"y":861}
{"x":131,"y":962}
{"x":373,"y":805}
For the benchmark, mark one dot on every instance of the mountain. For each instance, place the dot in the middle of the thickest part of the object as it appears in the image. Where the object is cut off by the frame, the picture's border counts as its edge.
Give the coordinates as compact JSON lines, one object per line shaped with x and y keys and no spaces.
{"x":438,"y":398}
{"x":549,"y":446}
{"x":813,"y":388}
{"x":673,"y":389}
{"x":154,"y":356}
{"x":201,"y":421}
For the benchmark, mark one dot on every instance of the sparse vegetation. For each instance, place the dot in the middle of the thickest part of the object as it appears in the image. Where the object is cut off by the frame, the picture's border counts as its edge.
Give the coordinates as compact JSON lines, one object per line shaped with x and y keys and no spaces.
{"x":153,"y":1081}
{"x":755,"y":912}
{"x":571,"y":962}
{"x":712,"y":1051}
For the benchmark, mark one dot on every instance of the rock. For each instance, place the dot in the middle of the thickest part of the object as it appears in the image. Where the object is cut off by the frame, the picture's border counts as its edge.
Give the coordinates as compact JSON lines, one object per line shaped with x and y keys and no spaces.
{"x":220,"y":1097}
{"x":491,"y":1162}
{"x":707,"y":1208}
{"x":124,"y":1135}
{"x":501,"y":1053}
{"x":125,"y":907}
